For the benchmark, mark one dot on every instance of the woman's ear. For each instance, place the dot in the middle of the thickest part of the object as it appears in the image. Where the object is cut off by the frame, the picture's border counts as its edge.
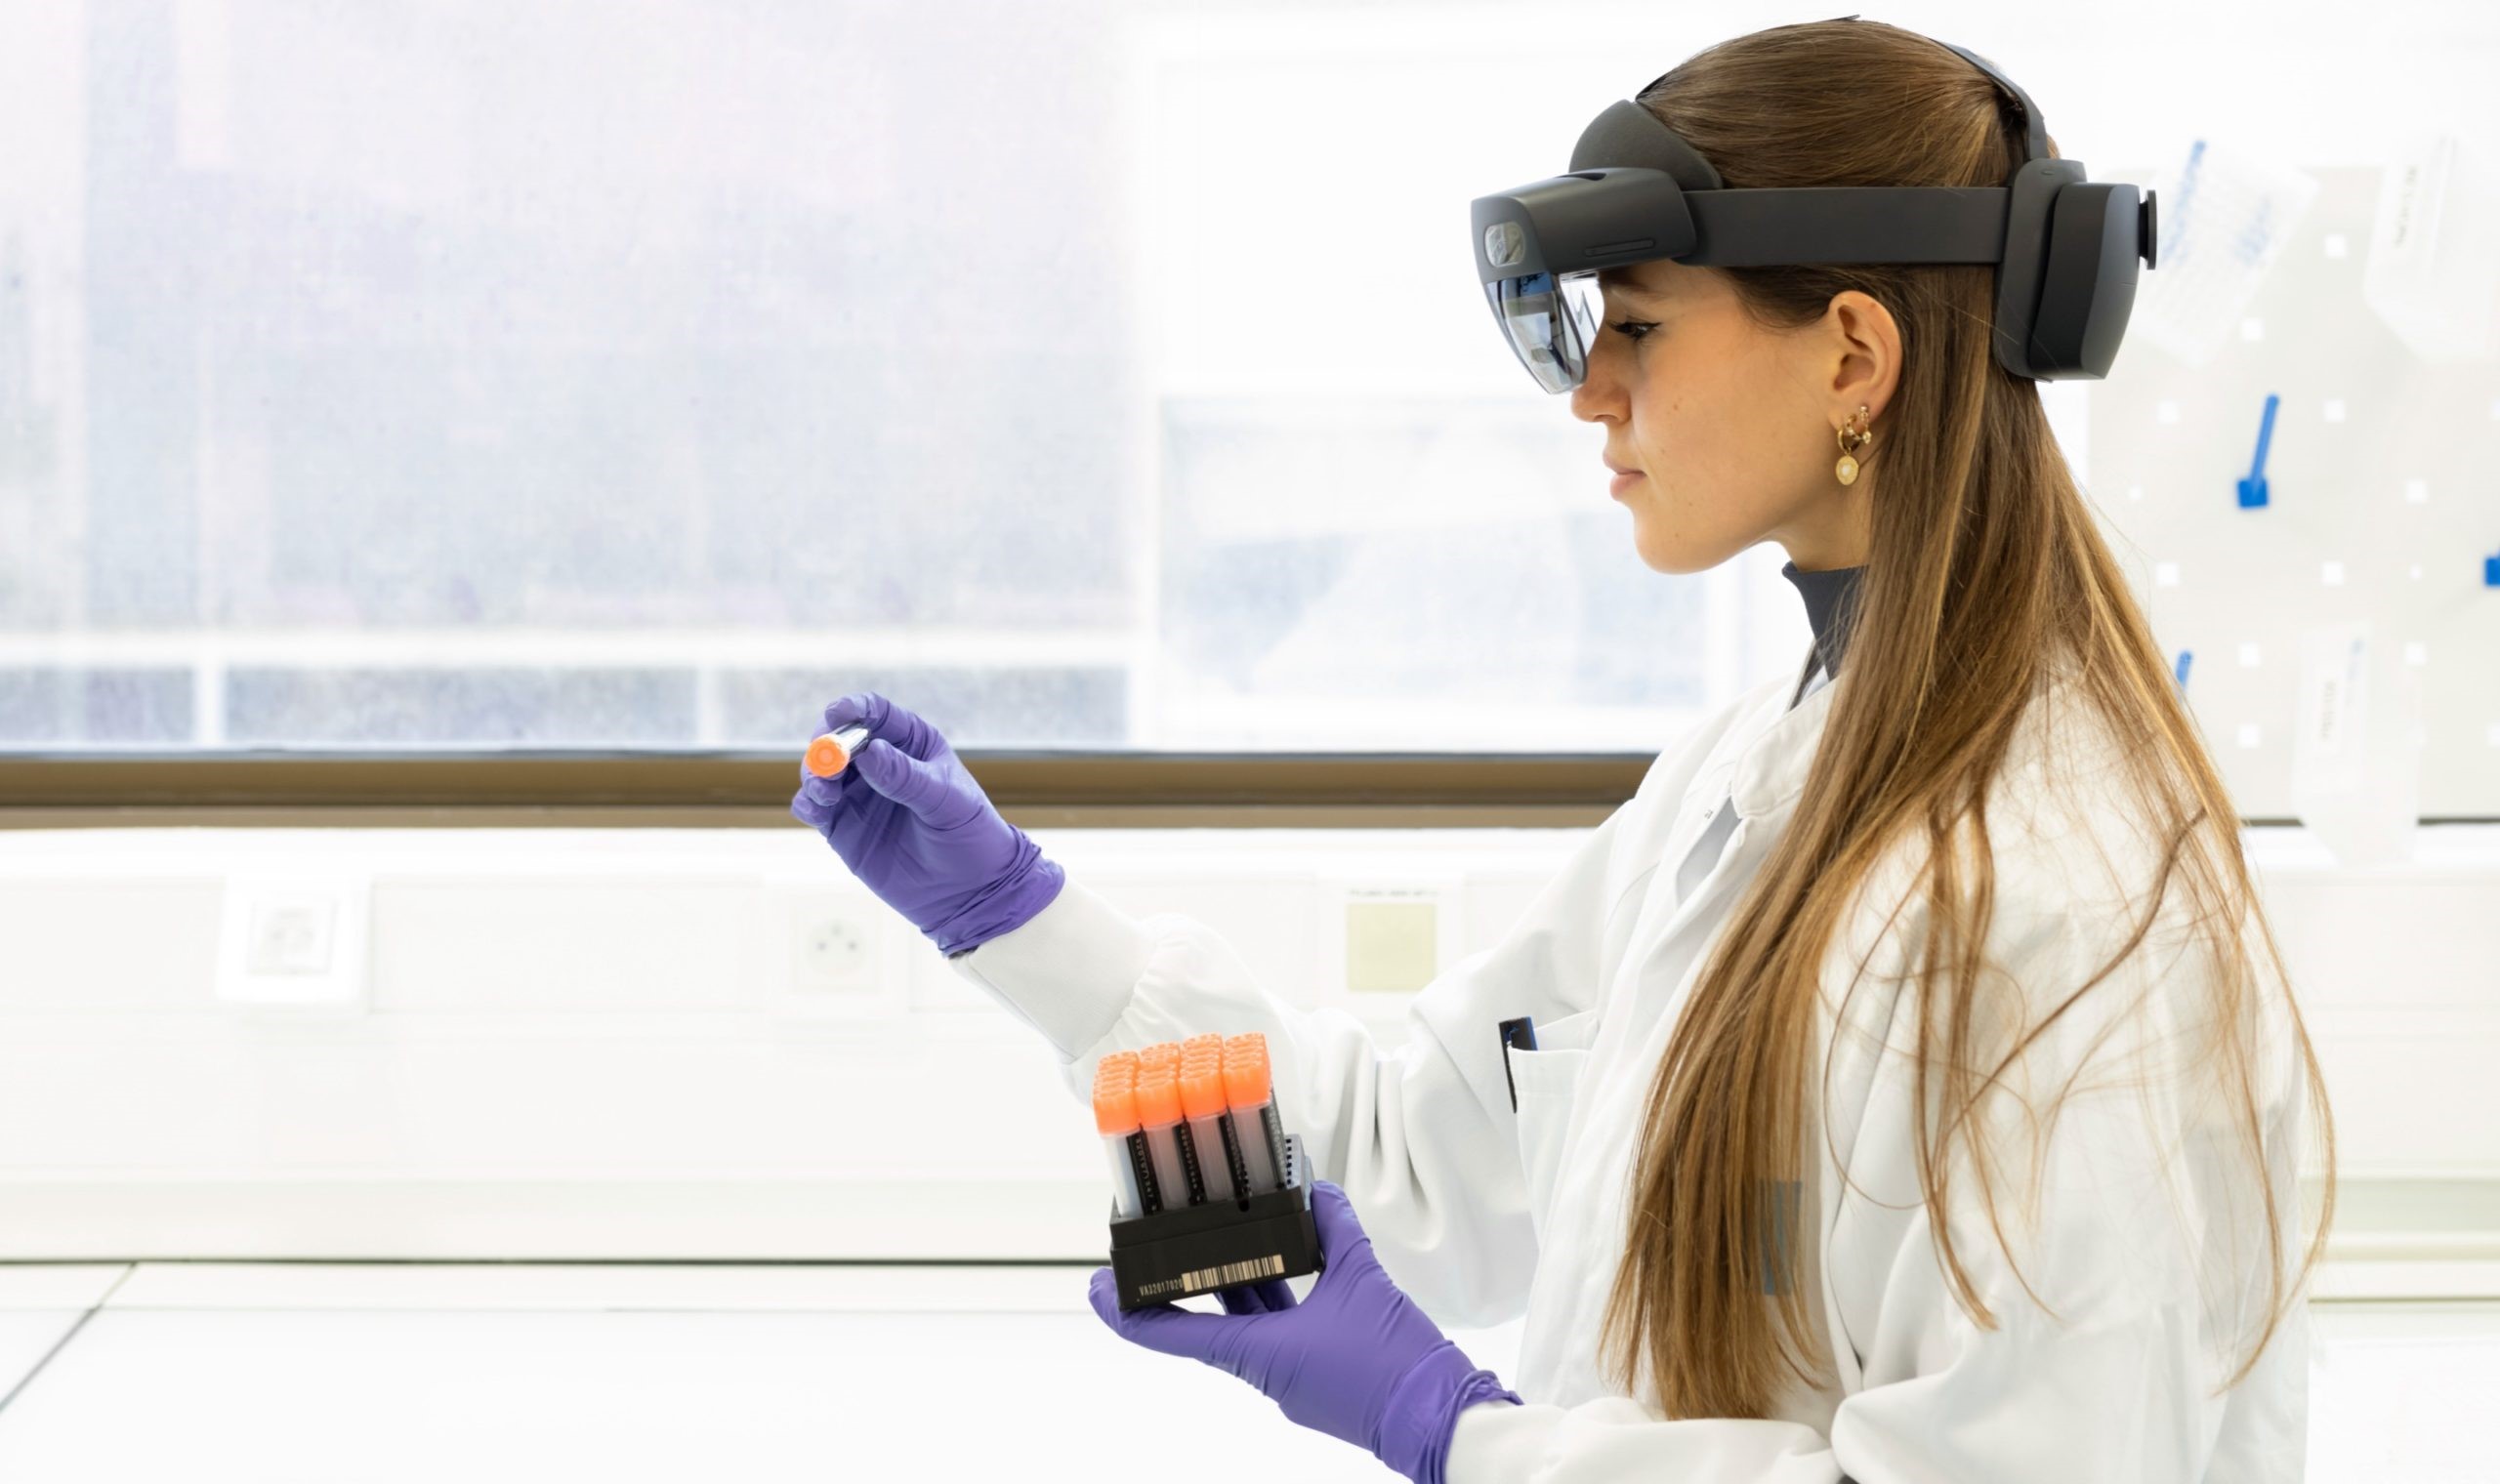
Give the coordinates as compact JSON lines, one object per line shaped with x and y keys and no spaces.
{"x":1865,"y":350}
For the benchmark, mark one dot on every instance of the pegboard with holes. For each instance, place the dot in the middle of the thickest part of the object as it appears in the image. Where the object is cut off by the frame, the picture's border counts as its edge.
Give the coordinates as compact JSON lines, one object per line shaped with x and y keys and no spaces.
{"x":2380,"y":499}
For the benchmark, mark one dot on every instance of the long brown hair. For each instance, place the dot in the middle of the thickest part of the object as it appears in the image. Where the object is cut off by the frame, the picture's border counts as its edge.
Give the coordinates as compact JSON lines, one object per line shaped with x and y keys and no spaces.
{"x":1984,"y":575}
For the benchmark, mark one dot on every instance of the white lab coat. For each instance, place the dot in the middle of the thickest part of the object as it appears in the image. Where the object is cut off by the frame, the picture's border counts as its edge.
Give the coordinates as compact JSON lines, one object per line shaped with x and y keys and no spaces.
{"x":2150,"y":1246}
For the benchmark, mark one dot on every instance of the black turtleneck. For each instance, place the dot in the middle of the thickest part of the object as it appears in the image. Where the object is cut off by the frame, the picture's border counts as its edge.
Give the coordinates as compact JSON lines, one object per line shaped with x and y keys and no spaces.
{"x":1830,"y":606}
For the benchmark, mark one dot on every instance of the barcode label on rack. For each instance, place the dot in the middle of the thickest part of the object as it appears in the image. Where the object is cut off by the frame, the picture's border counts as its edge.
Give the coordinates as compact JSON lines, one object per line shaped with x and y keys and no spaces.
{"x":1230,"y":1273}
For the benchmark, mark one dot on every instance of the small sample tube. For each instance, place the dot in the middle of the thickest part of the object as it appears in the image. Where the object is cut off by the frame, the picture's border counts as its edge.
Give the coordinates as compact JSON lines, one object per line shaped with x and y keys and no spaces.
{"x":1162,"y":1053}
{"x":1158,"y":1114}
{"x":1202,"y":1107}
{"x":831,"y":753}
{"x":1249,"y":1096}
{"x":1115,"y":1119}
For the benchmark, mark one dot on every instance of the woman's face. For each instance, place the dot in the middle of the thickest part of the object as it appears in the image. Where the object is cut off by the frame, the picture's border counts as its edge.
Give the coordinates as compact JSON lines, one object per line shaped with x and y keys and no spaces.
{"x":1730,"y":427}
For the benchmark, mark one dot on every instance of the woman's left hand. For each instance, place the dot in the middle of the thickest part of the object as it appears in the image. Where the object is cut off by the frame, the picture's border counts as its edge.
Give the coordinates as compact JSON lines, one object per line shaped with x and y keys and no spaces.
{"x":1355,"y":1360}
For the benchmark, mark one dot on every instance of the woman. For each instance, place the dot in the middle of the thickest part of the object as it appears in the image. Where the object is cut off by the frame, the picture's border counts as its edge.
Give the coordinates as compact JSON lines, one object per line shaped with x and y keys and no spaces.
{"x":1911,"y":1100}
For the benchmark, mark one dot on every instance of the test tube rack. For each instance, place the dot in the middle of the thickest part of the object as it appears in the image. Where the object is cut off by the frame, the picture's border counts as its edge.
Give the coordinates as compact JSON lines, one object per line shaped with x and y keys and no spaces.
{"x":1190,"y":1250}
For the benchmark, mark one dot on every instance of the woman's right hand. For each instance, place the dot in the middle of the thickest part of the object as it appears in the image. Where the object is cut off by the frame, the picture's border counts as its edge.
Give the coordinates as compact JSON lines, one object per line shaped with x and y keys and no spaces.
{"x":917,"y":830}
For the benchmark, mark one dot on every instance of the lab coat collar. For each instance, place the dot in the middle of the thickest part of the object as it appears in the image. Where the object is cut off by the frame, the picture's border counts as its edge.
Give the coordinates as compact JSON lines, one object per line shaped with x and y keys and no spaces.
{"x":1771,"y":771}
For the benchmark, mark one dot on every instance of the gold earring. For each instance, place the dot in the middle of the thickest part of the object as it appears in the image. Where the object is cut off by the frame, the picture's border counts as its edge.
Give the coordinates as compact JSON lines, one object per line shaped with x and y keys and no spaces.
{"x":1852,"y":440}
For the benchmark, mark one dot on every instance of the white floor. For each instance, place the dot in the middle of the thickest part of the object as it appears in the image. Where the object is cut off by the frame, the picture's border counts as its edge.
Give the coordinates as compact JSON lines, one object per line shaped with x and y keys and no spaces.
{"x":272,"y":1373}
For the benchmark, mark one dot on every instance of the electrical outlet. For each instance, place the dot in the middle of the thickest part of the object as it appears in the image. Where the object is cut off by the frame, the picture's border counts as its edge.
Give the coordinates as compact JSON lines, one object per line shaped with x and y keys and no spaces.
{"x":833,"y":955}
{"x":293,"y":941}
{"x":834,"y":960}
{"x":290,"y":936}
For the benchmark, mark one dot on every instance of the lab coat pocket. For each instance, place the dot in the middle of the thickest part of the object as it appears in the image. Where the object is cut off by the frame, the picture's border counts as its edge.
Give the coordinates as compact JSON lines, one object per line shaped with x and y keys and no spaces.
{"x":1546,"y":1080}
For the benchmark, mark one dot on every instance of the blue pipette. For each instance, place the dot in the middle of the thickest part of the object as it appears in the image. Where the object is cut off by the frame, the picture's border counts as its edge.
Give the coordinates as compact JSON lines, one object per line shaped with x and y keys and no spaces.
{"x":2252,"y":490}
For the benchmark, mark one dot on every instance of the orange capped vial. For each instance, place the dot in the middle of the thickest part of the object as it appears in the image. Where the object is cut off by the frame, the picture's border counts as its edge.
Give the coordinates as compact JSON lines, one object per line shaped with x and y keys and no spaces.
{"x":1202,"y":1105}
{"x":1158,"y":1116}
{"x":1250,"y":1100}
{"x":831,"y":753}
{"x":1115,"y":1119}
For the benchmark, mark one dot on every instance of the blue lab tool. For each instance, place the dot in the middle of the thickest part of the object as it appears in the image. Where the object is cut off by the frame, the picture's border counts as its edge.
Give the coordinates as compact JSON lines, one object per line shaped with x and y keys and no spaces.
{"x":2491,"y":571}
{"x":2252,"y":490}
{"x":2184,"y":655}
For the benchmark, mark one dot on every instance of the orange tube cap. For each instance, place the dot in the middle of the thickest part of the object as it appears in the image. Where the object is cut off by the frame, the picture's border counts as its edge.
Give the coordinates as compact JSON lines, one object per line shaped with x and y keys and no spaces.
{"x":1203,"y":1088}
{"x":1114,"y":1107}
{"x":1247,"y":1082}
{"x":1158,"y":1097}
{"x":825,"y":757}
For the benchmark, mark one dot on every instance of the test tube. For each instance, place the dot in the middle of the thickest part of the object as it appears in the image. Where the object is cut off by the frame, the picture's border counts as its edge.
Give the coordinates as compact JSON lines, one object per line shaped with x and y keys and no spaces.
{"x":1162,"y":1053}
{"x":1256,"y":1131}
{"x":1115,"y":1119}
{"x":1202,"y":1105}
{"x":830,"y":753}
{"x":1158,"y":1115}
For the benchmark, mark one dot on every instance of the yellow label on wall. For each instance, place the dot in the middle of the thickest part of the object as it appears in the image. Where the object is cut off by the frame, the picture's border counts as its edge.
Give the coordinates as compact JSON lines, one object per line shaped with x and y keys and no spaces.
{"x":1389,"y":945}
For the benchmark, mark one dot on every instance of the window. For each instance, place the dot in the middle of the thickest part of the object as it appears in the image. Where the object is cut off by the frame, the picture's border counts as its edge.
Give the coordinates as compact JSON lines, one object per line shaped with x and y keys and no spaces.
{"x":478,"y":375}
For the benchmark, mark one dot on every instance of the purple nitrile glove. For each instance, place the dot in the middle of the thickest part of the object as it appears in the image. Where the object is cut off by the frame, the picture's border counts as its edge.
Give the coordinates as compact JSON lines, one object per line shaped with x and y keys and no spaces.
{"x":917,"y":830}
{"x":1355,"y":1360}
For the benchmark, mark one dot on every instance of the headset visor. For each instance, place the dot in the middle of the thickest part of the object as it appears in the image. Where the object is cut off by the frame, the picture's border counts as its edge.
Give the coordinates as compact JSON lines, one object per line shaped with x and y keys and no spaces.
{"x":1552,"y":320}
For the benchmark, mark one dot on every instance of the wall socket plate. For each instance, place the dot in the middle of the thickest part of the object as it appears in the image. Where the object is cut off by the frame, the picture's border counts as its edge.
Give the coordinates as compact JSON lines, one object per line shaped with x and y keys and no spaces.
{"x":294,"y":941}
{"x":833,"y":962}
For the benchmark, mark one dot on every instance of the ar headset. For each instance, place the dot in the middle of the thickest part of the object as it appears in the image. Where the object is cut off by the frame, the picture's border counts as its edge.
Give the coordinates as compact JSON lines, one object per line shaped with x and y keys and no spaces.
{"x":2065,"y":247}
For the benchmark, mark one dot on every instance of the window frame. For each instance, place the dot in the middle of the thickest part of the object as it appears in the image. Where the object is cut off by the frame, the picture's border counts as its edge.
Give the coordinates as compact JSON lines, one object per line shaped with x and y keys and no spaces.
{"x":751,"y":789}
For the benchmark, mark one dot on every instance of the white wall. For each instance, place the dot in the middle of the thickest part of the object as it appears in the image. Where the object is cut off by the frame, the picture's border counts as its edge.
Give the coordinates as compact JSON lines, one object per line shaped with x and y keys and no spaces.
{"x":597,"y":1043}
